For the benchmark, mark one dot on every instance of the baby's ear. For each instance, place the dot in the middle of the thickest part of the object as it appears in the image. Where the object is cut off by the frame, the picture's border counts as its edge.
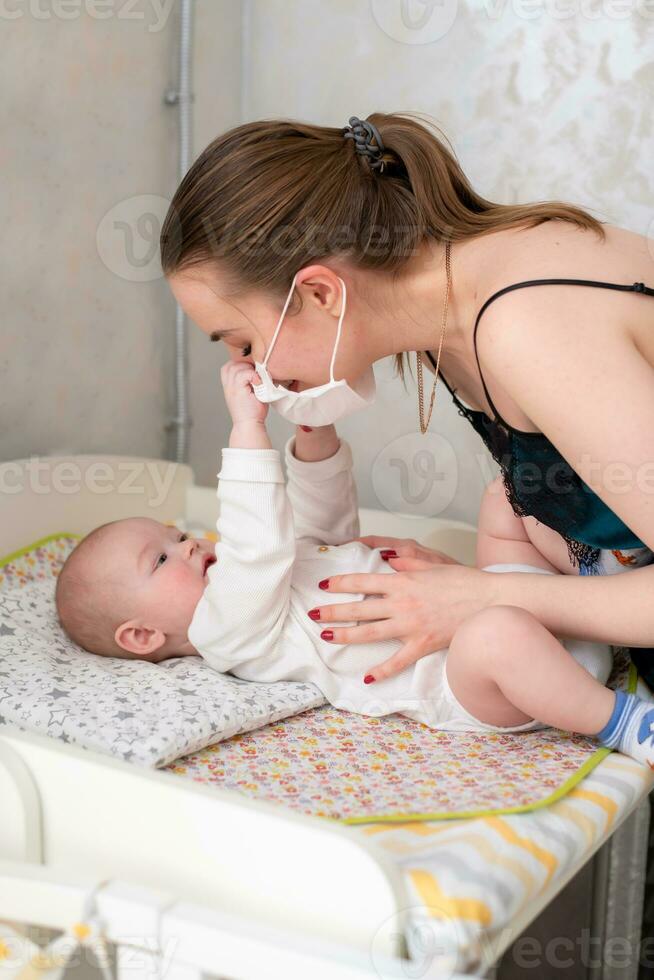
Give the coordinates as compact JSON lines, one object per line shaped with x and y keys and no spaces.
{"x":140,"y":640}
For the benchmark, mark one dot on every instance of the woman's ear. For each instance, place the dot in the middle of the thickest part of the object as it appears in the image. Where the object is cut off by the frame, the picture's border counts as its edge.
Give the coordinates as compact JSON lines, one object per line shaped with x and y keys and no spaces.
{"x":140,"y":640}
{"x":323,"y":288}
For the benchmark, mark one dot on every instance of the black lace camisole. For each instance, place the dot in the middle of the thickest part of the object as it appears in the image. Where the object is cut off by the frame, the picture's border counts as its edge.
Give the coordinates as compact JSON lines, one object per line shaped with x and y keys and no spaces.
{"x":537,"y":479}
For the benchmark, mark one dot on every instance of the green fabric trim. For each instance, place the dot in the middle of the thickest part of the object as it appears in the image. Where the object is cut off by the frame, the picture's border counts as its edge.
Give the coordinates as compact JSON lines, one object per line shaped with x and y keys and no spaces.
{"x":590,"y":763}
{"x":36,"y":544}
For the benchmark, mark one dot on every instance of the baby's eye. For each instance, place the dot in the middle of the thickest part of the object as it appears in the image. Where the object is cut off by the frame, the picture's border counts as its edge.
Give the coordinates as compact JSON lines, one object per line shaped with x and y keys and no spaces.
{"x":247,"y":350}
{"x":163,"y":554}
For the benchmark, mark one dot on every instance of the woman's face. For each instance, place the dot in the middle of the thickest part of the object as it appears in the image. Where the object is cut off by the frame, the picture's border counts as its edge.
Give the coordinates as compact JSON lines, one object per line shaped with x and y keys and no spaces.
{"x":303,"y":349}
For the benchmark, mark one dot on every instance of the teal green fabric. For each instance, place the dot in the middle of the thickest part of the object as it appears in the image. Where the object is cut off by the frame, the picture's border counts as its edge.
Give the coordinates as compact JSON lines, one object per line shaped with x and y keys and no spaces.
{"x":538,"y":481}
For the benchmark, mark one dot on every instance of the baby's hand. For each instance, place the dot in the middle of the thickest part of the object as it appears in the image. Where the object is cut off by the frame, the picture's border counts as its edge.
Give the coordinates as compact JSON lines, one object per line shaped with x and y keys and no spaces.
{"x":237,"y":379}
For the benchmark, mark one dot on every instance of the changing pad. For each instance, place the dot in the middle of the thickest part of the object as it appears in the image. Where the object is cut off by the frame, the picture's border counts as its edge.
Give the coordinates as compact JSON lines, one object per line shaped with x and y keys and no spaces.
{"x":148,"y":714}
{"x":354,"y":769}
{"x":324,"y":762}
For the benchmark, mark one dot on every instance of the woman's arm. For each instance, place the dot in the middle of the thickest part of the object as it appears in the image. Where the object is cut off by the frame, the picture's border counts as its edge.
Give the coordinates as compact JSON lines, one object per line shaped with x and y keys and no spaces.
{"x":615,"y":609}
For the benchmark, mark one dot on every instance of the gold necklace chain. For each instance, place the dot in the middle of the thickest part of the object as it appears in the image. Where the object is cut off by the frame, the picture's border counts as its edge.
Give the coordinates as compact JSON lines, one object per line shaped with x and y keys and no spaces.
{"x":424,"y":425}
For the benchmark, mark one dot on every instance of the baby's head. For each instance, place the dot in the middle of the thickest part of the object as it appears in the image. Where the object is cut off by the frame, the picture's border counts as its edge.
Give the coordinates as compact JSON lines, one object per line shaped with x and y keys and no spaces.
{"x":129,"y":589}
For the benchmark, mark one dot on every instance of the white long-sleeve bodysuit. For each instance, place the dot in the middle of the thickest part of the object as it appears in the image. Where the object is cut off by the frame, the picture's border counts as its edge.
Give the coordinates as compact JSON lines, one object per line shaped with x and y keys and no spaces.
{"x":277,"y":541}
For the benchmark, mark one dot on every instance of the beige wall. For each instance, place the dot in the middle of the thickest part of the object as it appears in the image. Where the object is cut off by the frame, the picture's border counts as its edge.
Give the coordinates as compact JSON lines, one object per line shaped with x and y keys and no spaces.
{"x":89,"y":161}
{"x":537,"y":105}
{"x":84,"y":364}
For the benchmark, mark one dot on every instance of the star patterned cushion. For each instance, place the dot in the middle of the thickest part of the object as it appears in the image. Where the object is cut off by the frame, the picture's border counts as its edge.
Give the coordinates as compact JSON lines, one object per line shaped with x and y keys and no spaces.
{"x":147,"y":714}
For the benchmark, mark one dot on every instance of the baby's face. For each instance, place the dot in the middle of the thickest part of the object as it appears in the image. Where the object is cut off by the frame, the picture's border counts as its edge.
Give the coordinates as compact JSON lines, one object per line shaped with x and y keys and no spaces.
{"x":163,"y":571}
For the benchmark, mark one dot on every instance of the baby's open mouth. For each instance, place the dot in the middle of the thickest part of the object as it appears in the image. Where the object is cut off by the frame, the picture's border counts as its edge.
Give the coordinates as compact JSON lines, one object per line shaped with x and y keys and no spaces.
{"x":209,"y":560}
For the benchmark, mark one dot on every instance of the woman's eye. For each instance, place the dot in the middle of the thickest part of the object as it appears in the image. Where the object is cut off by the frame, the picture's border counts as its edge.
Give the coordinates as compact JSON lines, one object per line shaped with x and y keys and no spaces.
{"x":247,"y":350}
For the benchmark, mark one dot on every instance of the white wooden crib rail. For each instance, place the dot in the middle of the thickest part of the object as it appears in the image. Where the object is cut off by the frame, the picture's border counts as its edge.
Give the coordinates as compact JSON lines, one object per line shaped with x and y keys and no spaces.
{"x":137,"y":933}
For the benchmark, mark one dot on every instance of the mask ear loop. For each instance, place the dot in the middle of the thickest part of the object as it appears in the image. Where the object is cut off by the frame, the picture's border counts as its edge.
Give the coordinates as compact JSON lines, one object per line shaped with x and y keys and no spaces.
{"x":338,"y":332}
{"x":281,"y":320}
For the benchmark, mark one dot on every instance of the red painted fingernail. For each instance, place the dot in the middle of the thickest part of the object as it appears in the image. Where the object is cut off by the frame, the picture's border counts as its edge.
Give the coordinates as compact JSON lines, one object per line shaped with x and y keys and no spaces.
{"x":306,"y":428}
{"x":324,"y":584}
{"x":368,"y":679}
{"x":314,"y":614}
{"x":327,"y":635}
{"x":388,"y":554}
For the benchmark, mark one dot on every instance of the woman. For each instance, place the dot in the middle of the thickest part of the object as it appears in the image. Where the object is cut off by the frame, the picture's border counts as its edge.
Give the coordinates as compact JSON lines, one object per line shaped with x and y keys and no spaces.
{"x":558,"y":380}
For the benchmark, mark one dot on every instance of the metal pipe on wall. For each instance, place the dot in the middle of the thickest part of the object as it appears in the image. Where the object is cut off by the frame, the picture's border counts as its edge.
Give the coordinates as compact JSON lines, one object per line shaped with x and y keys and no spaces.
{"x":182,"y":97}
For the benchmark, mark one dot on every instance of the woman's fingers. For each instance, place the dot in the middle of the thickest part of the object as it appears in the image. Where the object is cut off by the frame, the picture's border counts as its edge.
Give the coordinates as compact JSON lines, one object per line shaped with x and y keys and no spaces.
{"x":362,"y":610}
{"x":373,"y":632}
{"x":412,"y":651}
{"x":369,"y":583}
{"x":377,"y":541}
{"x":408,"y":547}
{"x":408,"y":564}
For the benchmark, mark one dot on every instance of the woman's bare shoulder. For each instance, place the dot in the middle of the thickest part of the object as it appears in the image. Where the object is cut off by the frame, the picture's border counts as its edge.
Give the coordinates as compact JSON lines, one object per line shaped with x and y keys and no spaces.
{"x":560,"y":308}
{"x":521,"y":328}
{"x":562,"y":250}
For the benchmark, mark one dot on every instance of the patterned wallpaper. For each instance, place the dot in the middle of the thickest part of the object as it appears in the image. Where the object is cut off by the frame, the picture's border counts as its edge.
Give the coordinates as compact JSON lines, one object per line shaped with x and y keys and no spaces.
{"x":541,"y":99}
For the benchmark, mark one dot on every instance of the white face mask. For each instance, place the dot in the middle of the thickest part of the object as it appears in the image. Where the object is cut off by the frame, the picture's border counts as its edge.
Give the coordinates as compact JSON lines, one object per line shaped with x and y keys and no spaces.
{"x":323,"y":404}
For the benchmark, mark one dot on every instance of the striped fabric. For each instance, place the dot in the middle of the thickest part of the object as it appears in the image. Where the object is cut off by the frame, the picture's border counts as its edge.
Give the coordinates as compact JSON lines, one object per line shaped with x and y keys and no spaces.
{"x":468,"y":880}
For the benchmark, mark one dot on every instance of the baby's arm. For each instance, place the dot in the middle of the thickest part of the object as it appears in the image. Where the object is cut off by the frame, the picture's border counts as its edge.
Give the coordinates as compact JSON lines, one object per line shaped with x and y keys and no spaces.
{"x":244,"y":608}
{"x":245,"y":604}
{"x":321,"y":487}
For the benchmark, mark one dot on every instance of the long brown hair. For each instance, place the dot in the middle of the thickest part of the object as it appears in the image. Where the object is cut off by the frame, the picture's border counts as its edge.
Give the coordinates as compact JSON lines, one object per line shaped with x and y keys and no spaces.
{"x":269,"y":197}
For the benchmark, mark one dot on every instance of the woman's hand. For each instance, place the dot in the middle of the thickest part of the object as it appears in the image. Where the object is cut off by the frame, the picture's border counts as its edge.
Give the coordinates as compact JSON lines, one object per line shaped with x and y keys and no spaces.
{"x":408,"y":548}
{"x":422,"y":606}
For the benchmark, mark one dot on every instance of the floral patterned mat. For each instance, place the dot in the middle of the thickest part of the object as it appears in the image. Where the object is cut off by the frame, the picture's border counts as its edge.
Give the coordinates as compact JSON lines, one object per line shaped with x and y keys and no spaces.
{"x":37,"y":562}
{"x":347,"y":767}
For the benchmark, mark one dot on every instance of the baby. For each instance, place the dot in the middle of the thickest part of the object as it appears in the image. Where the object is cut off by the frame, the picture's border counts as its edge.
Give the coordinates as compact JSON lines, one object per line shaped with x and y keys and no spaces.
{"x":139,"y":589}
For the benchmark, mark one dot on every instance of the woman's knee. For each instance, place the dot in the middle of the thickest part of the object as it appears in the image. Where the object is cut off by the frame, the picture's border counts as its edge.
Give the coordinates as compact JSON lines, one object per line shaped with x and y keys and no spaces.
{"x":496,"y":516}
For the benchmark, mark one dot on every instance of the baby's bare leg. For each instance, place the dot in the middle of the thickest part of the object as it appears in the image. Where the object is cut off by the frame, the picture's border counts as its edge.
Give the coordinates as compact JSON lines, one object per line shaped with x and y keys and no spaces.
{"x":501,"y":536}
{"x":506,"y":668}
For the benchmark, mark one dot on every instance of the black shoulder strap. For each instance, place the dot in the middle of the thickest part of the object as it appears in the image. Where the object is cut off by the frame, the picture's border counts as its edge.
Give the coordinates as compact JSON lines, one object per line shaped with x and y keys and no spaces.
{"x":637,"y":287}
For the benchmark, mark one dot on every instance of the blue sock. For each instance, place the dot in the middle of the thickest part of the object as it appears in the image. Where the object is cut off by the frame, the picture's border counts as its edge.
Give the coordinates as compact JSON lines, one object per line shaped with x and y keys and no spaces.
{"x":630,"y":729}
